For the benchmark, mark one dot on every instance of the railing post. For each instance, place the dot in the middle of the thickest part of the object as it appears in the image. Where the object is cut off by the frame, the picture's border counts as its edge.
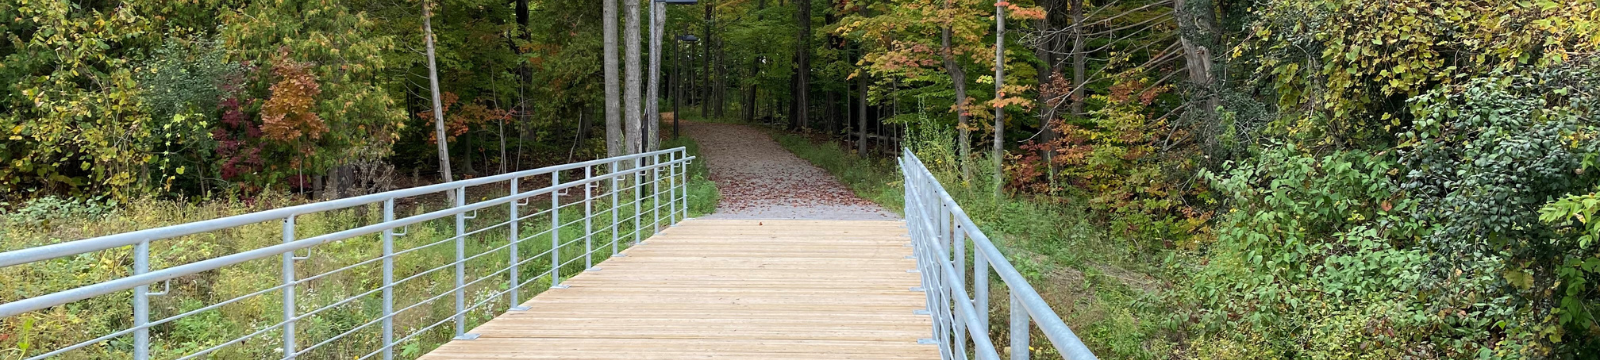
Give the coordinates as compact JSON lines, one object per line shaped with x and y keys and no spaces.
{"x":683,"y":183}
{"x":388,"y":281}
{"x":141,"y":303}
{"x":613,"y":173}
{"x":638,"y":185}
{"x":1019,"y":329}
{"x":288,"y":290}
{"x":588,"y":227}
{"x":461,"y":267}
{"x":959,"y":237}
{"x":672,"y":189}
{"x":555,"y":232}
{"x":980,"y":286}
{"x":942,"y":223}
{"x":515,"y":253}
{"x":655,"y":193}
{"x":922,"y":250}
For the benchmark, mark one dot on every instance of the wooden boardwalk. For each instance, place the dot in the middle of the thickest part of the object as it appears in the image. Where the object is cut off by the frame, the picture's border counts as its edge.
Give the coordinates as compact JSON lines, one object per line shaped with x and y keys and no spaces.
{"x":735,"y":289}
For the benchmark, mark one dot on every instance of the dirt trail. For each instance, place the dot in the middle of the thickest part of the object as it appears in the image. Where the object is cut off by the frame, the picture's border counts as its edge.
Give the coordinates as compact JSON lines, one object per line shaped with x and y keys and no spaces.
{"x":761,"y":180}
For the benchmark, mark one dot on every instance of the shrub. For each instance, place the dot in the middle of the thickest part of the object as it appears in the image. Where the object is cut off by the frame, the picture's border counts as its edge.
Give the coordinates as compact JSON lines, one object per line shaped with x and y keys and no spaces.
{"x":1482,"y":160}
{"x":49,"y":208}
{"x":1313,"y":259}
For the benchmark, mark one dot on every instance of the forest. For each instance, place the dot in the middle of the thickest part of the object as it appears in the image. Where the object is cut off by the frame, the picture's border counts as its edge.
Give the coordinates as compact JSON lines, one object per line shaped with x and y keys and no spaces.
{"x":1190,"y":179}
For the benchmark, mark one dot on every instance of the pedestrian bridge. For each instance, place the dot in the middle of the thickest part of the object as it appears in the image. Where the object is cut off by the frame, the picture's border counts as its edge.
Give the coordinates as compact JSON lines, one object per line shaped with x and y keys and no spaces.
{"x":591,"y":260}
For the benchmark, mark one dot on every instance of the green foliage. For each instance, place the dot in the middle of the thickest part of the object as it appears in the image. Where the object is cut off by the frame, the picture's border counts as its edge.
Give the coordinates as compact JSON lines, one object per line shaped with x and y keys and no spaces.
{"x":340,"y":53}
{"x":1115,"y":161}
{"x":1484,"y":159}
{"x":1317,"y":256}
{"x":182,"y":86}
{"x":71,"y":102}
{"x":1446,"y":241}
{"x":41,"y":211}
{"x":1342,"y":70}
{"x":903,"y":49}
{"x":1579,"y":267}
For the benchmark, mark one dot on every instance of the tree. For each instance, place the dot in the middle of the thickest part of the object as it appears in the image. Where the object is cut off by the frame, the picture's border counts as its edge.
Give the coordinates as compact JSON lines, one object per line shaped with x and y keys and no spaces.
{"x":999,"y":93}
{"x":433,"y":86}
{"x":705,"y":58}
{"x":614,"y":137}
{"x":931,"y":44}
{"x":802,"y":68}
{"x":631,"y":76}
{"x":70,"y":98}
{"x":658,"y":18}
{"x":1197,"y":32}
{"x":346,"y":52}
{"x":958,"y":79}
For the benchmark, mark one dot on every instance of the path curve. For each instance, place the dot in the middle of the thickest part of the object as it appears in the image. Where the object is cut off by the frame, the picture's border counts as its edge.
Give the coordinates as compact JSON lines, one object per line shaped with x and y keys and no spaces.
{"x":759,"y":179}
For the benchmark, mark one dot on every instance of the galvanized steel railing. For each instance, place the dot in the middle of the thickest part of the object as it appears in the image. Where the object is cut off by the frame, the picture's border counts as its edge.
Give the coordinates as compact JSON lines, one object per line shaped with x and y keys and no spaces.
{"x":940,"y":231}
{"x":650,"y":178}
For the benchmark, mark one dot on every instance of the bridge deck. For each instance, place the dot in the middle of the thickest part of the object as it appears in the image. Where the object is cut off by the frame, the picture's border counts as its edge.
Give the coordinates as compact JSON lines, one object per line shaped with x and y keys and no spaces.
{"x":756,"y":289}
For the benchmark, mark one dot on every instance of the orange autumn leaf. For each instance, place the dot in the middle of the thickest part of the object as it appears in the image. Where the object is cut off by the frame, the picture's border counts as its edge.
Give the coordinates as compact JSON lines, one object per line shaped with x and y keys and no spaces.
{"x":289,"y":114}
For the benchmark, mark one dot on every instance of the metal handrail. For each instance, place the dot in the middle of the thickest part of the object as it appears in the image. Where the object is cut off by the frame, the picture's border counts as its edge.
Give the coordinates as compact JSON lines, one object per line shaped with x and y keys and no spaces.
{"x":940,"y":231}
{"x":646,"y":169}
{"x":132,"y":238}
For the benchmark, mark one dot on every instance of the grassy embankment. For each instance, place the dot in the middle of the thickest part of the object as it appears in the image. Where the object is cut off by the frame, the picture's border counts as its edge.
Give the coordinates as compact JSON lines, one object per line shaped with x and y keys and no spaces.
{"x":1102,"y":289}
{"x":422,"y":272}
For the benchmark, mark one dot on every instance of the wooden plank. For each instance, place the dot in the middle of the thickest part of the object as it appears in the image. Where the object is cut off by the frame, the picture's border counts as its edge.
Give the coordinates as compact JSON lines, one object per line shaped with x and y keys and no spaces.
{"x":536,"y":348}
{"x":728,"y":289}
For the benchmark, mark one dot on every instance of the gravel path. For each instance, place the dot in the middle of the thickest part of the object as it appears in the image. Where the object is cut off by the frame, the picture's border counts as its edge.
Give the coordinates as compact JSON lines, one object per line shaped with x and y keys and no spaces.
{"x":761,"y":180}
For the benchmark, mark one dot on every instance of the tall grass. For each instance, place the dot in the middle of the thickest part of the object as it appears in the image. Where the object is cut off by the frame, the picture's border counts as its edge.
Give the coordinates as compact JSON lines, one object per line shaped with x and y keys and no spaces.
{"x":341,"y":306}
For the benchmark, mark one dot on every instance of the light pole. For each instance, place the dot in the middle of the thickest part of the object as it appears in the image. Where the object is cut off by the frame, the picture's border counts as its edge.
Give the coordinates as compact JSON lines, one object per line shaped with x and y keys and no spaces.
{"x":658,"y":20}
{"x":677,"y":81}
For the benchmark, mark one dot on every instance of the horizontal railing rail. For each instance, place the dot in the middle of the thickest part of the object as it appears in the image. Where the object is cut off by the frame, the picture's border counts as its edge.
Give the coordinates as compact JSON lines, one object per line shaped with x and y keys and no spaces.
{"x":657,"y":179}
{"x":940,"y":232}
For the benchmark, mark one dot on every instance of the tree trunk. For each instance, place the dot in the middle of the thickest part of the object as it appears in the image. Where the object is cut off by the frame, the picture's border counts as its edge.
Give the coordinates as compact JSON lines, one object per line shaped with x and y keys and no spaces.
{"x":705,"y":62}
{"x":861,"y":116}
{"x":675,"y":87}
{"x":749,"y":105}
{"x":469,"y":170}
{"x":502,"y":159}
{"x":433,"y":86}
{"x":614,"y":145}
{"x":318,"y":187}
{"x":1078,"y":59}
{"x":999,"y":111}
{"x":794,"y":85}
{"x":585,"y":120}
{"x":803,"y":68}
{"x":722,"y":78}
{"x":1196,"y":32}
{"x":524,"y":76}
{"x":631,"y":75}
{"x":848,"y":123}
{"x":829,"y":117}
{"x":958,"y":77}
{"x":1047,"y":134}
{"x":652,"y":125}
